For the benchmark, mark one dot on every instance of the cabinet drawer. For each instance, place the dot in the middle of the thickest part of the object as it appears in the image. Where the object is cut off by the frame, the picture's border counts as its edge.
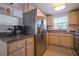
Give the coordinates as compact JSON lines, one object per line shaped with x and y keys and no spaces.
{"x":20,"y":52}
{"x":13,"y":46}
{"x":29,"y":41}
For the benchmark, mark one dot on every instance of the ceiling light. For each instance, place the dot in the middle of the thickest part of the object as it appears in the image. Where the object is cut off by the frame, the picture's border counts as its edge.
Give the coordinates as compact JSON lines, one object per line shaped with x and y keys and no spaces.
{"x":58,"y":6}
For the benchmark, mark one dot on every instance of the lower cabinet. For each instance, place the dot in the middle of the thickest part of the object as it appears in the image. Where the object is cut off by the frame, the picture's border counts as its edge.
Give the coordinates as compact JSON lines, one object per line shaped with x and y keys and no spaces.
{"x":67,"y":41}
{"x":30,"y":50}
{"x":30,"y":47}
{"x":59,"y":39}
{"x":20,"y":52}
{"x":54,"y":39}
{"x":24,"y":47}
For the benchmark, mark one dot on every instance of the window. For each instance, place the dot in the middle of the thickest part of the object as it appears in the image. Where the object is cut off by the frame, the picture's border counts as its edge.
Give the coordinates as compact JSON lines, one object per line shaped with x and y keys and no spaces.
{"x":61,"y":22}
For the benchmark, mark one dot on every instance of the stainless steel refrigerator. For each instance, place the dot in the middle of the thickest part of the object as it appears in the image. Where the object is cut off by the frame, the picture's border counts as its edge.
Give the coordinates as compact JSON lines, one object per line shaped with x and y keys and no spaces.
{"x":36,"y":27}
{"x":40,"y":38}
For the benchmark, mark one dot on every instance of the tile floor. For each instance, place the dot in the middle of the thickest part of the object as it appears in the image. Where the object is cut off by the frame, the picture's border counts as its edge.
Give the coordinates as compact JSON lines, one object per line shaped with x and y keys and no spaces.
{"x":58,"y":51}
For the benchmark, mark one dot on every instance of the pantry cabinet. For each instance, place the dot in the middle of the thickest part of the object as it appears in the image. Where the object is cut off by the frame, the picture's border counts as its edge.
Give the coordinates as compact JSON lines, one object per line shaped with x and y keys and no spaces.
{"x":74,"y":18}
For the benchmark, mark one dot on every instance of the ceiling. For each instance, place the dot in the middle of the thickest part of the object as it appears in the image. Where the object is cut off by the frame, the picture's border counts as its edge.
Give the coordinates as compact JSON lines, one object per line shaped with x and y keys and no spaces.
{"x":48,"y":9}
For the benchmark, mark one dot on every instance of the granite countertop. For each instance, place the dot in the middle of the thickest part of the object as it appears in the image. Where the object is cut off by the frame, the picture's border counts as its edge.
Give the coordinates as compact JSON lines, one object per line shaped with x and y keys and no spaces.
{"x":15,"y":38}
{"x":60,"y":31}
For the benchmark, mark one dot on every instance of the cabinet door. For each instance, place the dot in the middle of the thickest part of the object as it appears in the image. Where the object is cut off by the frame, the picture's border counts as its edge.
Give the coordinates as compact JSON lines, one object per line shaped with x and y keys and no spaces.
{"x":40,"y":14}
{"x":66,"y":41}
{"x":25,"y":7}
{"x":30,"y":50}
{"x":53,"y":39}
{"x":30,"y":46}
{"x":28,"y":7}
{"x":13,"y":46}
{"x":20,"y":52}
{"x":49,"y":20}
{"x":73,"y":17}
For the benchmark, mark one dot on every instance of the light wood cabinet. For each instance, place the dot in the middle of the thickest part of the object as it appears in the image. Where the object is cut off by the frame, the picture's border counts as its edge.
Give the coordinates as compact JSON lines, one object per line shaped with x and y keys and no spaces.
{"x":31,"y":7}
{"x":61,"y":39}
{"x":28,"y":7}
{"x":73,"y":17}
{"x":49,"y":20}
{"x":53,"y":39}
{"x":30,"y":47}
{"x":20,"y":52}
{"x":22,"y":47}
{"x":40,"y":14}
{"x":66,"y":41}
{"x":16,"y":45}
{"x":30,"y":50}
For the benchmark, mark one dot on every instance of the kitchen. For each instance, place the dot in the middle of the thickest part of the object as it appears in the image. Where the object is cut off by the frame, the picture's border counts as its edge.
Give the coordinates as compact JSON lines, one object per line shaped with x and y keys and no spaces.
{"x":36,"y":29}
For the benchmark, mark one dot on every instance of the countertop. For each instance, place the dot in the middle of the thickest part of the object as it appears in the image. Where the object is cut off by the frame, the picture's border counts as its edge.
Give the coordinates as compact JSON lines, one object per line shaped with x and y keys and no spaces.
{"x":15,"y":38}
{"x":60,"y":31}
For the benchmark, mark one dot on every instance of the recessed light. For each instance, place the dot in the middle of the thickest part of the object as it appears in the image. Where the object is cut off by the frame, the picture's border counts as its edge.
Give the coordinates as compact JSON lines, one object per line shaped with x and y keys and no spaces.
{"x":58,"y":6}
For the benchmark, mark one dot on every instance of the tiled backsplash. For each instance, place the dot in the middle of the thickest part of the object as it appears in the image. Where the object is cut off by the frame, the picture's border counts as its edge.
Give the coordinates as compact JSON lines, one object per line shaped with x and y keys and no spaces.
{"x":3,"y":28}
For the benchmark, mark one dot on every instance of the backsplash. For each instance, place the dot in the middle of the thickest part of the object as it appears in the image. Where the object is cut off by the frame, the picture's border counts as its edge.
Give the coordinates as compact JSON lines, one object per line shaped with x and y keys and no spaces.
{"x":3,"y":28}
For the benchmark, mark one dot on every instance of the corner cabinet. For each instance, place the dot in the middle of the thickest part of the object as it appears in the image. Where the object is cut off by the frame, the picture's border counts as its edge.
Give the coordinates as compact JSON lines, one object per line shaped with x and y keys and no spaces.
{"x":24,"y":47}
{"x":74,"y":18}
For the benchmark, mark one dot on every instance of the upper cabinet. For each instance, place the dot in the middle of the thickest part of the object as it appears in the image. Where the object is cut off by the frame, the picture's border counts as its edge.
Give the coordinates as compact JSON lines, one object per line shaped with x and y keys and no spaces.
{"x":8,"y":20}
{"x":40,"y":14}
{"x":18,"y":13}
{"x":11,"y":14}
{"x":49,"y":20}
{"x":28,"y":7}
{"x":74,"y":18}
